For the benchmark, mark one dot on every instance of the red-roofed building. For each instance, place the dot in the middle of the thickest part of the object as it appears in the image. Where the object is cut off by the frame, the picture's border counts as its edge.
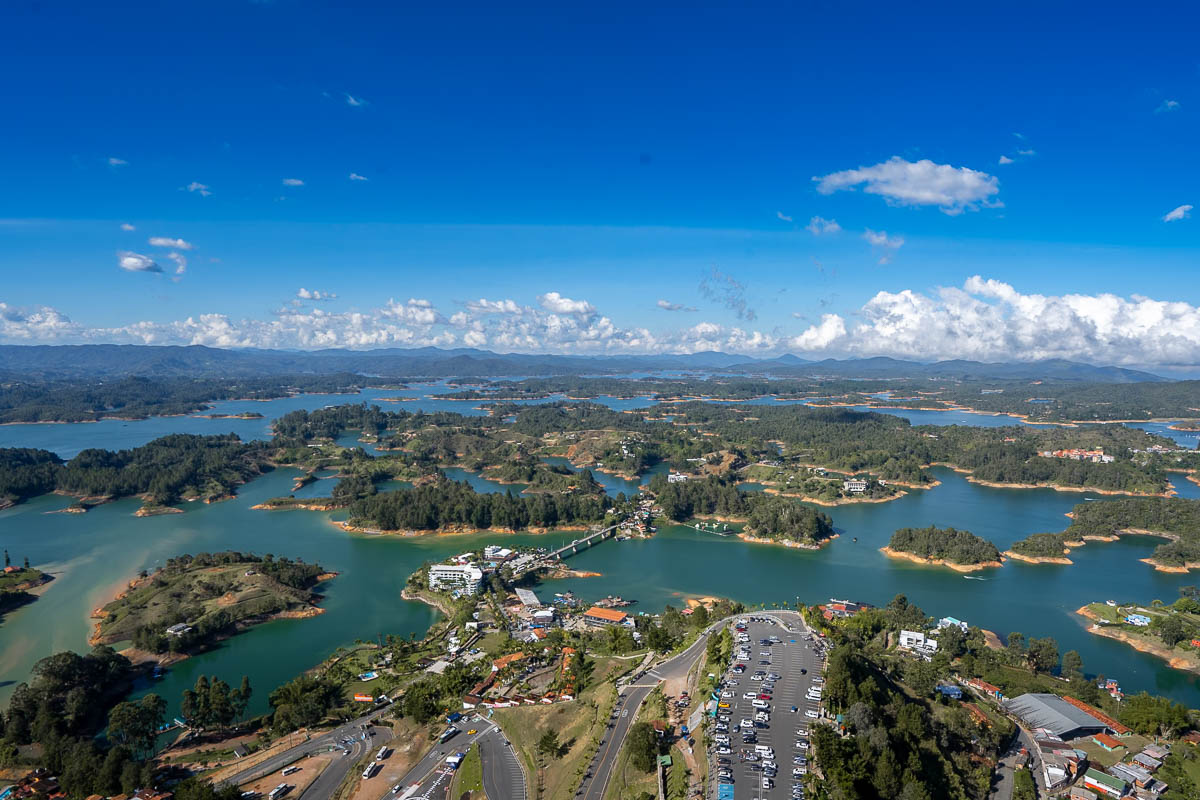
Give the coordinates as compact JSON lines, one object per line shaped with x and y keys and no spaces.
{"x":605,"y":616}
{"x":1117,"y":728}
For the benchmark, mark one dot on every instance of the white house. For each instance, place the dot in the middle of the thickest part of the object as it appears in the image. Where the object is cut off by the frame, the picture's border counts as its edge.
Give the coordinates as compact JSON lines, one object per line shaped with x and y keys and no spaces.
{"x":854,"y":486}
{"x":447,"y":577}
{"x":915,"y":640}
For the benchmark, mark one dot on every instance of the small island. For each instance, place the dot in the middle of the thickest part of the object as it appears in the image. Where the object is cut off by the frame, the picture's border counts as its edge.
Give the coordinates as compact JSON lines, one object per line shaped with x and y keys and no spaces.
{"x":1041,"y":548}
{"x":962,"y":551}
{"x":195,"y":601}
{"x":776,"y":520}
{"x":19,"y":586}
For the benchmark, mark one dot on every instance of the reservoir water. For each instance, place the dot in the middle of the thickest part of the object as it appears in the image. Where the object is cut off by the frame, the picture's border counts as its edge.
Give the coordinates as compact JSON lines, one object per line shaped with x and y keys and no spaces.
{"x":92,"y":555}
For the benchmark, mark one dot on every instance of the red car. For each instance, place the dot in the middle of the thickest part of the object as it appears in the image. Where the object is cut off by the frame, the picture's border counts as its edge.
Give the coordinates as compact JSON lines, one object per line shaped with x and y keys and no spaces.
{"x":764,"y":697}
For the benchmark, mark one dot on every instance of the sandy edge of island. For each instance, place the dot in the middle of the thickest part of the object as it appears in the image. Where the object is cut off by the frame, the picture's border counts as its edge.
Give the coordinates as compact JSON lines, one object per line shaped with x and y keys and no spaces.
{"x":1037,"y":559}
{"x":1137,"y":643}
{"x":139,"y":656}
{"x":938,"y":562}
{"x":747,"y":537}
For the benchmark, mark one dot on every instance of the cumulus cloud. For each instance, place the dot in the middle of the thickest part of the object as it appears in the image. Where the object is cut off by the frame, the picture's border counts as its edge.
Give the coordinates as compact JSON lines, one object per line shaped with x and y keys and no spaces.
{"x":414,"y":312}
{"x":136,"y":262}
{"x":920,"y":183}
{"x":179,"y":261}
{"x":1180,"y":212}
{"x":666,"y":305}
{"x":354,"y":176}
{"x":354,"y":102}
{"x":485,"y":306}
{"x":555,"y":302}
{"x":1006,"y":160}
{"x":885,"y":246}
{"x":166,"y":241}
{"x":292,"y":182}
{"x":125,"y":226}
{"x":783,"y":216}
{"x":989,"y":320}
{"x":118,"y":162}
{"x":1167,"y":105}
{"x":819,"y":226}
{"x":199,"y":188}
{"x":313,"y":294}
{"x":727,"y":291}
{"x":984,"y":319}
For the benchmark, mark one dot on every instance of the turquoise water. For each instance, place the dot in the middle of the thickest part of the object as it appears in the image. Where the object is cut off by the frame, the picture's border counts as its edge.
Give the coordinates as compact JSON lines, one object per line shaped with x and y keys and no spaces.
{"x":93,"y":554}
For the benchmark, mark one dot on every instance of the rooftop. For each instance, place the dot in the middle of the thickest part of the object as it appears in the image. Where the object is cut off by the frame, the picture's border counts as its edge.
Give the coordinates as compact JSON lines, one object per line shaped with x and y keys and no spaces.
{"x":610,"y":614}
{"x":1051,"y":712}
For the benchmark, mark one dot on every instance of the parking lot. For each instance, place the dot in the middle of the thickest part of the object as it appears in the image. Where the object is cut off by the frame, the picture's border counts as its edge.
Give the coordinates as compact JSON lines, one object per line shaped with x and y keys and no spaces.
{"x":776,"y":678}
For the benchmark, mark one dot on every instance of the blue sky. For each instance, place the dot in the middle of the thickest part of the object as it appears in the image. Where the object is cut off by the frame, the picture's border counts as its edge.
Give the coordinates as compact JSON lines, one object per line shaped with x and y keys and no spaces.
{"x":586,"y":163}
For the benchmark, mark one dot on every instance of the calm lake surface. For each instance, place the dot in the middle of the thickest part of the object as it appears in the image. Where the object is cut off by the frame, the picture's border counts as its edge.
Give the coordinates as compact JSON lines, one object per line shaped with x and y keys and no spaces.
{"x":94,"y":554}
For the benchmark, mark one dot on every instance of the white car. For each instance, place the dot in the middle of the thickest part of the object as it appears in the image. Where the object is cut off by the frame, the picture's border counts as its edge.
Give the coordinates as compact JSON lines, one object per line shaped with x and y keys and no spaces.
{"x":727,"y":694}
{"x":749,"y":696}
{"x":798,"y":771}
{"x":811,"y":714}
{"x":723,"y":750}
{"x":747,"y":722}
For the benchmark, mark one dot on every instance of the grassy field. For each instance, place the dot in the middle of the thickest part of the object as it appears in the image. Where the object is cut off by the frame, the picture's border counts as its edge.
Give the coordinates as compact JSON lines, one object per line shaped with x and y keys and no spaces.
{"x":12,"y":580}
{"x":577,"y":723}
{"x":469,"y":777}
{"x":628,"y":781}
{"x":1098,"y":755}
{"x":196,"y":594}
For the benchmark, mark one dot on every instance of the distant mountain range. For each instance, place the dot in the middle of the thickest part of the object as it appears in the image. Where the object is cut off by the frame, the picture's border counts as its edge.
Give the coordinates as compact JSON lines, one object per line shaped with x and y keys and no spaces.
{"x":25,"y":362}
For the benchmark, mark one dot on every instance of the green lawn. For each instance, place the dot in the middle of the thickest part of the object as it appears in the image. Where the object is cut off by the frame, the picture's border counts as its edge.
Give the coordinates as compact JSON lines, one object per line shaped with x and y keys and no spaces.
{"x":12,"y":579}
{"x":469,"y":777}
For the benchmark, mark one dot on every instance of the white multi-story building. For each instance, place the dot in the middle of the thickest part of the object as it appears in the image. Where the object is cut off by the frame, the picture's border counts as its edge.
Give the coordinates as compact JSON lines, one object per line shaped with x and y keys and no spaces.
{"x":447,"y":577}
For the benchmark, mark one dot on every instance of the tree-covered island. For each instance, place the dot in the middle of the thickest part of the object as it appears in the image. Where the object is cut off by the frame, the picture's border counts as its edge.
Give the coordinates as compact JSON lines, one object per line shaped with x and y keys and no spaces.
{"x":960,"y":550}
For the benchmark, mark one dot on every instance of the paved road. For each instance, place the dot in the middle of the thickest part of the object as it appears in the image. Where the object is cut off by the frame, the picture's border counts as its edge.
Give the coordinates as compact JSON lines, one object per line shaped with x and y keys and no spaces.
{"x":329,"y":780}
{"x":503,"y":778}
{"x":599,"y":771}
{"x":430,"y":776}
{"x":317,"y":744}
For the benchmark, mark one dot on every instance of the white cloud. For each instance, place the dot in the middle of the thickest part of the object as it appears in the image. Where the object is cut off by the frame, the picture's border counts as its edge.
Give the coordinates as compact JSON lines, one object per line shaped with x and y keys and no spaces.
{"x":1027,"y":152}
{"x":485,"y":306}
{"x":125,"y":226}
{"x":920,"y":183}
{"x":666,"y":305}
{"x":166,"y":241}
{"x":1167,"y":105}
{"x":180,"y":262}
{"x":819,"y":337}
{"x":414,"y":312}
{"x":136,"y":262}
{"x":354,"y":176}
{"x":1006,"y":160}
{"x":1181,"y":212}
{"x":783,"y":216}
{"x":355,"y":102}
{"x":198,"y":188}
{"x":555,"y":302}
{"x":292,"y":182}
{"x":118,"y":162}
{"x":985,"y":320}
{"x":306,"y":294}
{"x":988,"y":320}
{"x":886,"y":246}
{"x":819,"y":226}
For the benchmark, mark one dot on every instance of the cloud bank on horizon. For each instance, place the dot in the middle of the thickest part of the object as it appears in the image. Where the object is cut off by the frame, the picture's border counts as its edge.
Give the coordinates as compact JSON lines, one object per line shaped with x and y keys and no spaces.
{"x":984,"y":320}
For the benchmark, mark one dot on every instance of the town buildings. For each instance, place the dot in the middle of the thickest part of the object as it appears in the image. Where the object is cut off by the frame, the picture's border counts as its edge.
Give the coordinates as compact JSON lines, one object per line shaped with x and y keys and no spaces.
{"x":449,"y":577}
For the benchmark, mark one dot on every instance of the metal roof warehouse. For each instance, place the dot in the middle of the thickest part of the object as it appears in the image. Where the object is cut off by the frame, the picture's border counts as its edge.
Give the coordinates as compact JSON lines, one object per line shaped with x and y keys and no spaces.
{"x":1054,"y":714}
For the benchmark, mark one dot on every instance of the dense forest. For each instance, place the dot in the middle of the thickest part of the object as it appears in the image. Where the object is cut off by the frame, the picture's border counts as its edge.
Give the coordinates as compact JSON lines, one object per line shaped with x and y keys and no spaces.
{"x":139,"y":397}
{"x":166,"y":470}
{"x":1175,"y":517}
{"x":446,"y":504}
{"x":944,"y":544}
{"x":779,"y":518}
{"x":710,"y":496}
{"x":1041,"y":545}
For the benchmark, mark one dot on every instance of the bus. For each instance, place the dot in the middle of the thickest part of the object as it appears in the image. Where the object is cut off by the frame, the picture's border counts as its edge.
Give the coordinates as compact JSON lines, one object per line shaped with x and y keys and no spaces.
{"x":279,"y":791}
{"x":448,"y":734}
{"x":383,"y":753}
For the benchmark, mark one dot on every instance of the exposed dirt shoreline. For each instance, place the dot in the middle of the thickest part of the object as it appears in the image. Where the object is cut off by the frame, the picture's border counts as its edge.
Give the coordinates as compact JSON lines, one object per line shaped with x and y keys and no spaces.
{"x":938,"y":562}
{"x":1142,"y":644}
